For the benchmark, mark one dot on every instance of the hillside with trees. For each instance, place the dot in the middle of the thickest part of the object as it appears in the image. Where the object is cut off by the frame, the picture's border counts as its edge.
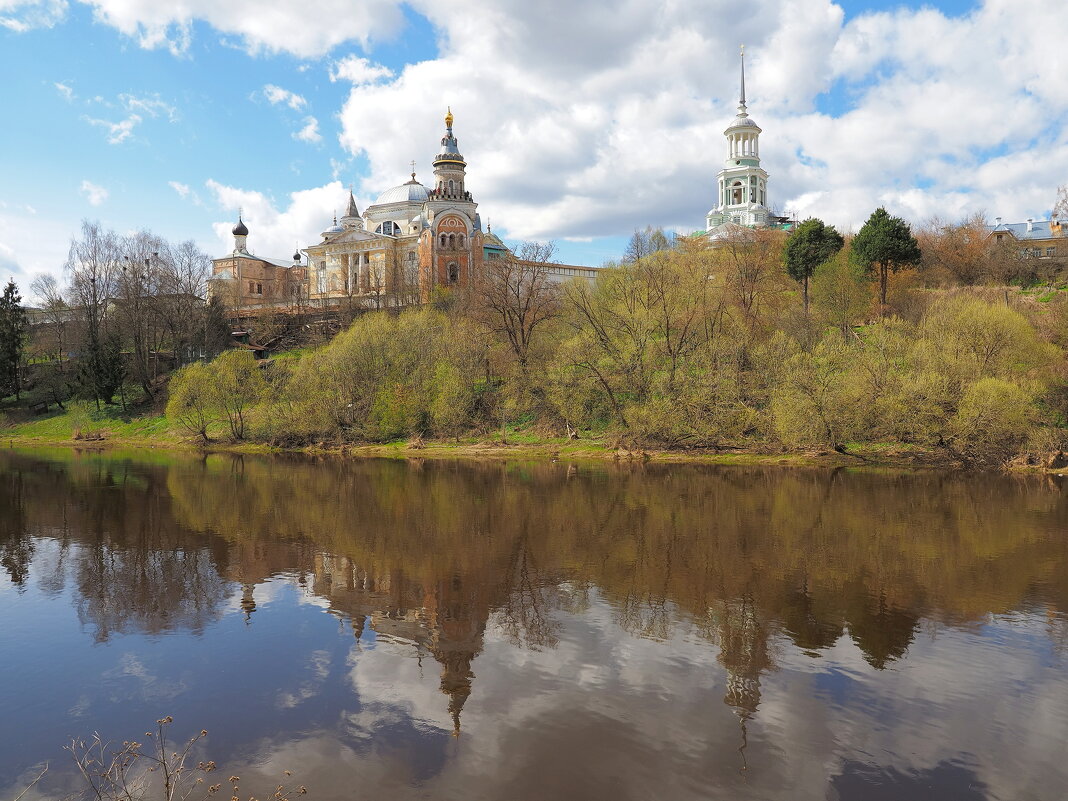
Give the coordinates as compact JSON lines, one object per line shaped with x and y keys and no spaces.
{"x":934,"y":343}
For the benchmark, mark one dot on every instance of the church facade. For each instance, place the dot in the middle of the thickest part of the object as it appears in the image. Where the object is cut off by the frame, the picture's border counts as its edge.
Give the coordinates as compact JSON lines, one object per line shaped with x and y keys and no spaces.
{"x":412,"y":240}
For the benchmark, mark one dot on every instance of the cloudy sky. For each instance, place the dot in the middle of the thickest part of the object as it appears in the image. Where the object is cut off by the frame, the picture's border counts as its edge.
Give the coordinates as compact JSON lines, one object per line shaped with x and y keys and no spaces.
{"x":581,"y":122}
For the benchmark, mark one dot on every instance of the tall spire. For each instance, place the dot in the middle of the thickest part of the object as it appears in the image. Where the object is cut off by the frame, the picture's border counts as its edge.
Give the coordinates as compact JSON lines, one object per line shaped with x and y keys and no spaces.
{"x":741,"y":101}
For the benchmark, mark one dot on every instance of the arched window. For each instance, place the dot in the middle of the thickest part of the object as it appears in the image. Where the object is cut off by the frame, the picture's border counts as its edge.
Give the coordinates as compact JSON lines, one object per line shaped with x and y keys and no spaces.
{"x":452,"y":241}
{"x":460,"y":240}
{"x":451,"y":186}
{"x":443,"y":240}
{"x":454,"y":272}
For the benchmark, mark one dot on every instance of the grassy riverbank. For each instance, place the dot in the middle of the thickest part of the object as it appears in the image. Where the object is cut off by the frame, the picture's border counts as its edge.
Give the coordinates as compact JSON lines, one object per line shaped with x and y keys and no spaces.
{"x":86,"y":427}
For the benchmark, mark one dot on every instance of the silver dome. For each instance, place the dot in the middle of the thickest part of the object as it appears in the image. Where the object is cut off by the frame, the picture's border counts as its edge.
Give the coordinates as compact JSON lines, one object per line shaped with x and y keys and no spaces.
{"x":742,"y":122}
{"x":411,"y":192}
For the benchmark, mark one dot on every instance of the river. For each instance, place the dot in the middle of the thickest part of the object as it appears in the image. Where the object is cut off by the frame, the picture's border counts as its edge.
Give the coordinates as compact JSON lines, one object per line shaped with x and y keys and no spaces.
{"x":389,"y":629}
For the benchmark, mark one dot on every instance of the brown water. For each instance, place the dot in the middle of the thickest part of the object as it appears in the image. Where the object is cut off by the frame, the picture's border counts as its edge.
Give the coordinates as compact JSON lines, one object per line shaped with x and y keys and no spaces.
{"x":393,"y":630}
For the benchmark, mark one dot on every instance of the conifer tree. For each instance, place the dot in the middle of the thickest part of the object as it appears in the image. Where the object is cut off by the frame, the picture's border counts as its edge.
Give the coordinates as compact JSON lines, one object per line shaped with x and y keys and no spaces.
{"x":12,"y":339}
{"x":811,"y":244}
{"x":885,"y":244}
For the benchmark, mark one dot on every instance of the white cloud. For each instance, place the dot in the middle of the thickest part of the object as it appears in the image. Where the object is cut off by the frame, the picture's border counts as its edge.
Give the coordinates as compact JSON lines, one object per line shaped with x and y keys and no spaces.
{"x":310,"y":131}
{"x":307,"y":29}
{"x":93,"y":193}
{"x":151,"y":105}
{"x":358,"y":70}
{"x":276,"y":95}
{"x":599,"y":118}
{"x":64,"y":90}
{"x":117,"y":132}
{"x":9,"y":263}
{"x":183,"y":190}
{"x":23,"y":15}
{"x":273,"y":232}
{"x":31,"y":245}
{"x":592,"y":119}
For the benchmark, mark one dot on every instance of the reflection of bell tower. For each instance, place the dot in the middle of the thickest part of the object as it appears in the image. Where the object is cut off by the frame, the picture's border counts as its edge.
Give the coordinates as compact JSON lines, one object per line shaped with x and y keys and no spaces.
{"x":743,"y":651}
{"x":248,"y":601}
{"x":458,"y":613}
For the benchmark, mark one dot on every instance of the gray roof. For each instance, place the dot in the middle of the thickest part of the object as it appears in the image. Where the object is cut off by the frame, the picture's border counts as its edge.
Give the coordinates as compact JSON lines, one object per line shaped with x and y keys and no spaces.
{"x":411,"y":192}
{"x":742,"y":122}
{"x":1040,"y":229}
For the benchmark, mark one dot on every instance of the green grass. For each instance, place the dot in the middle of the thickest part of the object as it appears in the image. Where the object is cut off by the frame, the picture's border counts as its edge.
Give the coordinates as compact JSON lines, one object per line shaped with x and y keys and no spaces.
{"x":112,"y":422}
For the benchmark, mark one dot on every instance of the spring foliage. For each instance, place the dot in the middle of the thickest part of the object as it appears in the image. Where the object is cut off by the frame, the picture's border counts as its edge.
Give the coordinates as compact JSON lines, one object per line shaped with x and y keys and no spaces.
{"x":680,"y":347}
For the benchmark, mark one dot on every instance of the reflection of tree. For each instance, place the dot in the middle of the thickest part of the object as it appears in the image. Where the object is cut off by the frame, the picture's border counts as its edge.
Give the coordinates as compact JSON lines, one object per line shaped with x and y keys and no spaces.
{"x":135,"y":569}
{"x":881,"y":630}
{"x":428,"y":553}
{"x":16,"y":548}
{"x":525,"y":616}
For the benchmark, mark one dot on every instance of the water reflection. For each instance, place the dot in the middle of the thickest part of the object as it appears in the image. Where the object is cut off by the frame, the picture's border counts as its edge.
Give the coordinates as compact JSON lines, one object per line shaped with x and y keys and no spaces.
{"x":621,"y":595}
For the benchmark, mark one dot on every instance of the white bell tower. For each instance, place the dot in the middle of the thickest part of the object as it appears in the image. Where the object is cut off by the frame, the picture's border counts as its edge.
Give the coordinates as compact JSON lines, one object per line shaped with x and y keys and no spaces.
{"x":742,"y":196}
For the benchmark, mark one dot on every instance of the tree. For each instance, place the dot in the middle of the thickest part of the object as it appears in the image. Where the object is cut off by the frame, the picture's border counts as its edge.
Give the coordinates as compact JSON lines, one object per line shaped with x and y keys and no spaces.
{"x":12,"y":339}
{"x":840,"y":293}
{"x":962,"y":252}
{"x":56,"y":311}
{"x":811,"y":244}
{"x":239,"y":385}
{"x":1060,"y":205}
{"x":645,"y":243}
{"x":885,"y":244}
{"x":100,"y":367}
{"x":515,"y":296}
{"x":93,"y":267}
{"x":190,"y":404}
{"x":749,"y":262}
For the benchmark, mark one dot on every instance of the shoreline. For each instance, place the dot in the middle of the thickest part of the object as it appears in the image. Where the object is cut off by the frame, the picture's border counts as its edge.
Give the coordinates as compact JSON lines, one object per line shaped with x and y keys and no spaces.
{"x":590,"y":450}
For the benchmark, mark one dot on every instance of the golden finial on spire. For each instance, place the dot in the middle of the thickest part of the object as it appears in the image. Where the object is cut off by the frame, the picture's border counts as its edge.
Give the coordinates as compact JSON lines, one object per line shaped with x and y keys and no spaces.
{"x":448,"y":118}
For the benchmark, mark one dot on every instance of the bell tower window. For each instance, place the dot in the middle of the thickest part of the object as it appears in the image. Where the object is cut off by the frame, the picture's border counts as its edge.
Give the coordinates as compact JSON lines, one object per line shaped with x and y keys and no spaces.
{"x":454,"y":272}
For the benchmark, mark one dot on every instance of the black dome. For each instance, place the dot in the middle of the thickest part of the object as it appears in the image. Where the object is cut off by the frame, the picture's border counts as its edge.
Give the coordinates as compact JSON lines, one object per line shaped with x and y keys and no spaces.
{"x":240,"y":229}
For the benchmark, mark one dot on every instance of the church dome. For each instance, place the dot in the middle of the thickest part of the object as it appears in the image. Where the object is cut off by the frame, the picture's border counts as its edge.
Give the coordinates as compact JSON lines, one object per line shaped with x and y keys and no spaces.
{"x":240,"y":229}
{"x":742,"y":122}
{"x":411,"y":192}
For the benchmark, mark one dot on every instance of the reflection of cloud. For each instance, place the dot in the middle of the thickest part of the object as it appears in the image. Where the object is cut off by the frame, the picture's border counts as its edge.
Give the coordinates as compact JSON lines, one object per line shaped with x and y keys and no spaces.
{"x":319,"y":665}
{"x":137,"y":681}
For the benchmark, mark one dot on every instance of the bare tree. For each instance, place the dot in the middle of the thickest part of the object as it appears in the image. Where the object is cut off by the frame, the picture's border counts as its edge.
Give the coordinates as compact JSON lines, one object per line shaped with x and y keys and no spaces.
{"x":182,"y":287}
{"x":137,"y":309}
{"x":57,"y":312}
{"x":516,"y":295}
{"x":749,"y":263}
{"x":93,"y":265}
{"x":1060,"y":205}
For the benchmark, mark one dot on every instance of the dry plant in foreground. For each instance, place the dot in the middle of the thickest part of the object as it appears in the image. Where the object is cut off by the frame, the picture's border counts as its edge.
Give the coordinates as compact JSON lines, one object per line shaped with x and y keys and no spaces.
{"x":158,"y":770}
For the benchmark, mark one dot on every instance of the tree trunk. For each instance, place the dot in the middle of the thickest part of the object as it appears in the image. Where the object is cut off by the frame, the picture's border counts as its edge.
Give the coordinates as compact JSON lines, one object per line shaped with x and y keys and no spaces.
{"x":804,"y":292}
{"x":884,"y":274}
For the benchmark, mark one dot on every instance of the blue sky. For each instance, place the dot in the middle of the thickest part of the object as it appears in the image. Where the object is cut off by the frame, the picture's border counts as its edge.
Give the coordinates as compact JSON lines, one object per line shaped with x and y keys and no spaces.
{"x":580,"y":123}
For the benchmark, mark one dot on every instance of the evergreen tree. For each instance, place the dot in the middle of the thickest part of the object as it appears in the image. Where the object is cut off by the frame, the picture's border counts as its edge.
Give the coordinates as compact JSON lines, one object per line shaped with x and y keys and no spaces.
{"x":811,"y":244}
{"x":101,"y":367}
{"x":12,"y":339}
{"x":885,"y":244}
